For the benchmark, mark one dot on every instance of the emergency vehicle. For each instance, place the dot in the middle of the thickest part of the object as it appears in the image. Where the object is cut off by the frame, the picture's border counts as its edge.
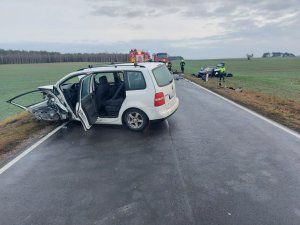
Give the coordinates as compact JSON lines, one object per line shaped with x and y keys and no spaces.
{"x":138,"y":56}
{"x":160,"y":57}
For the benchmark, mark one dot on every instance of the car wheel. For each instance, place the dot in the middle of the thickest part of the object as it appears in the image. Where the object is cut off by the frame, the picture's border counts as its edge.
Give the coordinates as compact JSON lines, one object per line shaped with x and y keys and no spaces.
{"x":135,"y":119}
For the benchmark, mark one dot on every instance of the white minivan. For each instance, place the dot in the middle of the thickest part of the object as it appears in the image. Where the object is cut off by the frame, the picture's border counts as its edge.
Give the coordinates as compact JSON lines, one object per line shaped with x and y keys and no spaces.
{"x":130,"y":94}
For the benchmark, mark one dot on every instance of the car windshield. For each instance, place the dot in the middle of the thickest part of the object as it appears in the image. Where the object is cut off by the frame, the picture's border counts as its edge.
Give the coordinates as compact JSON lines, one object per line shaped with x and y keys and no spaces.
{"x":162,"y":76}
{"x":162,"y":55}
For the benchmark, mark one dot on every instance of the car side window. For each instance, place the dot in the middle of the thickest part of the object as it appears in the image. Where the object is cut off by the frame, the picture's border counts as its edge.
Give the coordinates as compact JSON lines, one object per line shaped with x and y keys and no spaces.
{"x":121,"y":75}
{"x":135,"y":80}
{"x":108,"y":75}
{"x":85,"y":88}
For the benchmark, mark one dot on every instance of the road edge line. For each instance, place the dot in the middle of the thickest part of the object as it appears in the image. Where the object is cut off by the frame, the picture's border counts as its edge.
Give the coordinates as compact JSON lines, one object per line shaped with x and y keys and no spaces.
{"x":282,"y":127}
{"x":28,"y":150}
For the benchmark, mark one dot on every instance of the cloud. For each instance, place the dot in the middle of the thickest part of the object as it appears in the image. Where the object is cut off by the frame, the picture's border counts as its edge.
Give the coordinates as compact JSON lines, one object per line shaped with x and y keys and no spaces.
{"x":229,"y":14}
{"x":124,"y":11}
{"x":192,"y":28}
{"x":113,"y":11}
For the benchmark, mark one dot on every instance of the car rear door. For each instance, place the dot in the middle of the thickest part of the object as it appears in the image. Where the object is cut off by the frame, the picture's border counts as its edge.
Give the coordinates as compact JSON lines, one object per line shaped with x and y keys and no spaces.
{"x":43,"y":104}
{"x":86,"y":109}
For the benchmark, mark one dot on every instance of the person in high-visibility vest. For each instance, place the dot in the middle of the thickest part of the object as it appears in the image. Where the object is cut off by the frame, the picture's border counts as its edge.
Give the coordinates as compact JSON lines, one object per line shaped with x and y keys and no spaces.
{"x":170,"y":66}
{"x":182,"y":64}
{"x":222,"y":72}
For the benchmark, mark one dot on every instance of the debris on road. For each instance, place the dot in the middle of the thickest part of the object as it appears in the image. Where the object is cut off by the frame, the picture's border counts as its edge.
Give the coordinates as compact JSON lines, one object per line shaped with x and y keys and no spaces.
{"x":236,"y":89}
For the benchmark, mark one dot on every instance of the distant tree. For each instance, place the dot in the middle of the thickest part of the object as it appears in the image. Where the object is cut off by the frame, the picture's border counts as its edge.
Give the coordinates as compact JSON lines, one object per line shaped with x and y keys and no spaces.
{"x":286,"y":54}
{"x":171,"y":58}
{"x":277,"y":54}
{"x":249,"y":56}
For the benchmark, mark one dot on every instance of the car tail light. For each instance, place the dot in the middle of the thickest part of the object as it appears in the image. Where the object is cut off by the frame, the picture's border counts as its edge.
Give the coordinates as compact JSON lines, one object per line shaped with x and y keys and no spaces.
{"x":159,"y":99}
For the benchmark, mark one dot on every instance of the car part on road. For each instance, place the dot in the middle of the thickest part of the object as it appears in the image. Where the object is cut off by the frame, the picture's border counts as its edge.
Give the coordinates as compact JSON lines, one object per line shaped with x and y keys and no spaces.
{"x":177,"y":77}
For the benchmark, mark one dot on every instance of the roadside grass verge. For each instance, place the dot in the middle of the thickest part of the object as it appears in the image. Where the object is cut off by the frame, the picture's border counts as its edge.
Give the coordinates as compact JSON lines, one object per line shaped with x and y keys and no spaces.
{"x":282,"y":110}
{"x":20,"y":130}
{"x":279,"y":77}
{"x":270,"y":86}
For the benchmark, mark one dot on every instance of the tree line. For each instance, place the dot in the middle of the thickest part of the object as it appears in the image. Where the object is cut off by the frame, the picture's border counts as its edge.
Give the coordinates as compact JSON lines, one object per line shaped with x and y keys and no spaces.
{"x":277,"y":54}
{"x":171,"y":58}
{"x":28,"y":57}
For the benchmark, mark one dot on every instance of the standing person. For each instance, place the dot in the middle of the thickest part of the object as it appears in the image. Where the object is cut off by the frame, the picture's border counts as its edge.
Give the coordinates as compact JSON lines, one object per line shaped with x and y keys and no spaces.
{"x":222,"y":72}
{"x":170,"y":66}
{"x":206,"y":77}
{"x":182,"y":64}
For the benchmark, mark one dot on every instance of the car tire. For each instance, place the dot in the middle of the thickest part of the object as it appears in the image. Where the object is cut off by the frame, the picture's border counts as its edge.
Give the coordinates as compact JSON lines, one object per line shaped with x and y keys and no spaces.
{"x":135,"y":120}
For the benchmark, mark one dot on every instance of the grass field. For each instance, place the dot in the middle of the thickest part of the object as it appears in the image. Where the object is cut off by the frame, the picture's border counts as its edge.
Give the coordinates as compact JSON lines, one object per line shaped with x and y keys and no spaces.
{"x":278,"y":77}
{"x":17,"y":79}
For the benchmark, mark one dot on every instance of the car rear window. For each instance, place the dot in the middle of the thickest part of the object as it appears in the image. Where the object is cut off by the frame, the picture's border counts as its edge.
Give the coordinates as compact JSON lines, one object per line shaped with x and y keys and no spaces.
{"x":162,"y":76}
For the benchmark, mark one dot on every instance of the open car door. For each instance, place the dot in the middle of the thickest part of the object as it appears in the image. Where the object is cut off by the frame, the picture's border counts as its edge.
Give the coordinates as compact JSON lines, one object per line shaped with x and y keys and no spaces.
{"x":42,"y":103}
{"x":86,"y":108}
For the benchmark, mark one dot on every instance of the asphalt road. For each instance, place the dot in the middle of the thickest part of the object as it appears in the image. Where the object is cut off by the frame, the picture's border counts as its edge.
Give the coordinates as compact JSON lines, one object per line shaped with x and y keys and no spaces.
{"x":210,"y":163}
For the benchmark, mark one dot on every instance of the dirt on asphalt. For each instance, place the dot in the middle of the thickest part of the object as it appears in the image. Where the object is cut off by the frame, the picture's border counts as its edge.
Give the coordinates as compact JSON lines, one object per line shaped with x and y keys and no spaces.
{"x":19,"y":132}
{"x":283,"y":111}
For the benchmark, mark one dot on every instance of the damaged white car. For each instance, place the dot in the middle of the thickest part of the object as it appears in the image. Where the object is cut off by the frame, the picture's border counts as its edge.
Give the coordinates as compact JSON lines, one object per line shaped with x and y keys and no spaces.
{"x":130,"y":94}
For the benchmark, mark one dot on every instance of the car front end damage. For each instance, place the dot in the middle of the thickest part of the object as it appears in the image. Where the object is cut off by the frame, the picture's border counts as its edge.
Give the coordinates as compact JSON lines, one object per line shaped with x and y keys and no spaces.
{"x":46,"y":105}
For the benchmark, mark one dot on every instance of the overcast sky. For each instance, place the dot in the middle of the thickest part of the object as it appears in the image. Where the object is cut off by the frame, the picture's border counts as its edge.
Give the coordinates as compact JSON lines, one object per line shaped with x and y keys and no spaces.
{"x":191,"y":28}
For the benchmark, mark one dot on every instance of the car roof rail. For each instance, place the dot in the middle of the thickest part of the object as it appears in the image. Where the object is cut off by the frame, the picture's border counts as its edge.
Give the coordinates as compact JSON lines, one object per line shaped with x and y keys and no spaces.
{"x":125,"y":64}
{"x":112,"y":65}
{"x":81,"y":69}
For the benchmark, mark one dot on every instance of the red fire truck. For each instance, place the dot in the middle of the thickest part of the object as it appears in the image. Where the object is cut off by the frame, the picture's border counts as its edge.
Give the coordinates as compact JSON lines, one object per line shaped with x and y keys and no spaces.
{"x":138,"y":56}
{"x":160,"y":57}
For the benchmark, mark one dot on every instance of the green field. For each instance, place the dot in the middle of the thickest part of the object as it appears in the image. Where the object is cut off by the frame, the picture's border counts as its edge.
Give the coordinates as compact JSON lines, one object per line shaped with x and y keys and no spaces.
{"x":20,"y":78}
{"x":278,"y":77}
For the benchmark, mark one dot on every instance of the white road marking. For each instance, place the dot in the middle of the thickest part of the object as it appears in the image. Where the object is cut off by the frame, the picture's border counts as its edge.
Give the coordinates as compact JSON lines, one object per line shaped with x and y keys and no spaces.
{"x":294,"y":133}
{"x":12,"y":162}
